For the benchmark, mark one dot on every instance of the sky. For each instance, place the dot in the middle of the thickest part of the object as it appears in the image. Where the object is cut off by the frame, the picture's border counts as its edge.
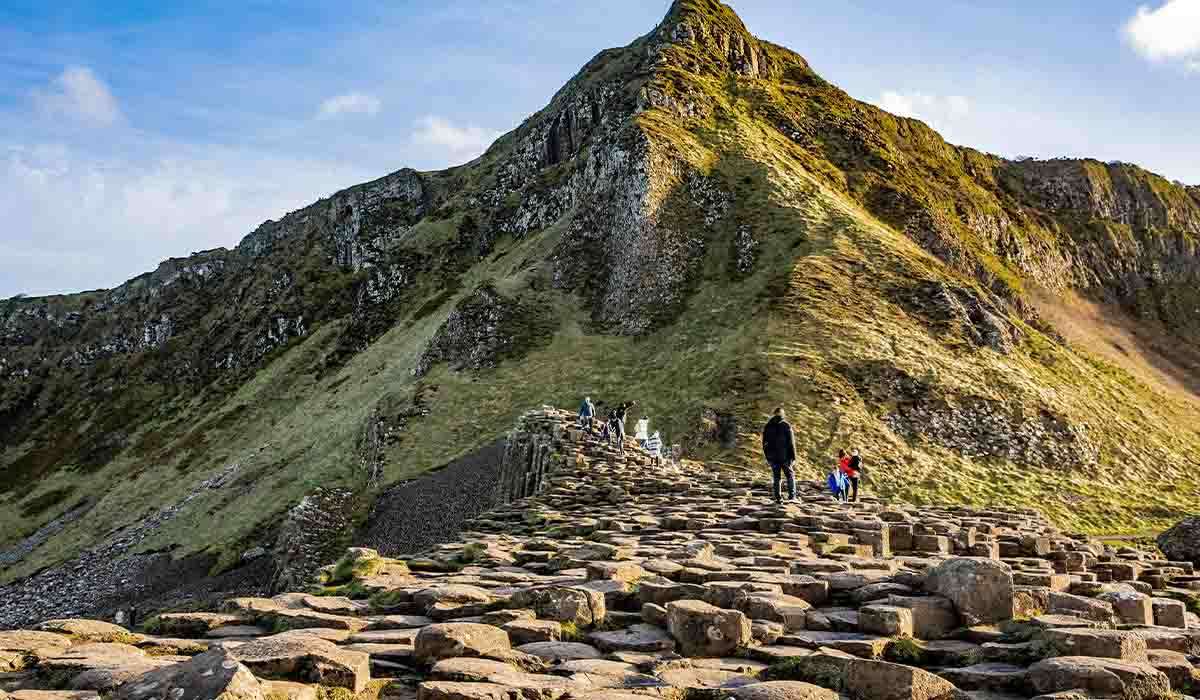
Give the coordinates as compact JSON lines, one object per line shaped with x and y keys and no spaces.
{"x":136,"y":130}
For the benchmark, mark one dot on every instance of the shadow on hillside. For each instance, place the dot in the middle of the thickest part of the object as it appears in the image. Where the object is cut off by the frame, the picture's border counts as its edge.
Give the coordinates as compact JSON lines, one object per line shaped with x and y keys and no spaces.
{"x":1144,"y":349}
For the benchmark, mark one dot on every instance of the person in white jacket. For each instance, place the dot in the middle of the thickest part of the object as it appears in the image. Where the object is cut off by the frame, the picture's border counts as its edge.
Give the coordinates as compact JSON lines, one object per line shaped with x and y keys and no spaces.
{"x":643,"y":431}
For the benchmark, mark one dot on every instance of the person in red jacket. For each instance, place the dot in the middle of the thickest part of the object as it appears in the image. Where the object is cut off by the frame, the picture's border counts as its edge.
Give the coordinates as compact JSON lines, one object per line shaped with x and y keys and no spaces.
{"x":851,"y":466}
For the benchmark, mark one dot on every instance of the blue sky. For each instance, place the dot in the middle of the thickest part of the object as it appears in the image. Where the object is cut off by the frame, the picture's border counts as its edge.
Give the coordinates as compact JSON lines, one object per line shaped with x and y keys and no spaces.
{"x":135,"y":131}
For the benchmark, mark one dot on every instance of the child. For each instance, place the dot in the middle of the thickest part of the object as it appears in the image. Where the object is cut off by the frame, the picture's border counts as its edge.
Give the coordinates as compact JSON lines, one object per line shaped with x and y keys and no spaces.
{"x":837,"y":483}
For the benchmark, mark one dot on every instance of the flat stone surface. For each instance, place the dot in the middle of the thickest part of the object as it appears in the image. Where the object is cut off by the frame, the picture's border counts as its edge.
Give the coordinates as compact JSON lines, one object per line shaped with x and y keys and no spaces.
{"x":307,"y":659}
{"x":635,"y":638}
{"x":210,"y":676}
{"x":561,"y":651}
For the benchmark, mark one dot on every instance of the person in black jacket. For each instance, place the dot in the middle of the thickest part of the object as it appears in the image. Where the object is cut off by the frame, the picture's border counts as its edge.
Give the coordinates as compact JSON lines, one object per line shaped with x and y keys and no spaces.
{"x":779,"y":447}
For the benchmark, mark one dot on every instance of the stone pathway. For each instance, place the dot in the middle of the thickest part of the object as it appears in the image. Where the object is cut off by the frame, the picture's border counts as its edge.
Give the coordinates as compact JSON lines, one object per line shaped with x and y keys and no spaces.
{"x":621,"y":579}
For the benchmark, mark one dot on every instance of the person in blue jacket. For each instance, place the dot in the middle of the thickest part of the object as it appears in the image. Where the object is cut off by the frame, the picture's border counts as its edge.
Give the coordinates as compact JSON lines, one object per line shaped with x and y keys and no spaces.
{"x":587,"y":412}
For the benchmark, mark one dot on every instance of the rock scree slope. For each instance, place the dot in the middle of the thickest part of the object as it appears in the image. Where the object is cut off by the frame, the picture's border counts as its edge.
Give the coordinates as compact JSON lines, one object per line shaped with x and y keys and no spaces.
{"x":697,"y":220}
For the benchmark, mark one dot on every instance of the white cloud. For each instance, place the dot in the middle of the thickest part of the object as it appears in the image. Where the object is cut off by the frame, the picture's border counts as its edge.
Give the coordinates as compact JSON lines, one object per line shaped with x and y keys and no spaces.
{"x":80,"y":94}
{"x":350,"y":103}
{"x":939,"y":112}
{"x":76,"y":220}
{"x":450,"y":142}
{"x":1169,"y":33}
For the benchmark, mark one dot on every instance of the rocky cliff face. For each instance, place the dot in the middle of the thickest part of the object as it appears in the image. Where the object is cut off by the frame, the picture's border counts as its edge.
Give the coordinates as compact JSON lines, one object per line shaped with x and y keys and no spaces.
{"x":696,"y":220}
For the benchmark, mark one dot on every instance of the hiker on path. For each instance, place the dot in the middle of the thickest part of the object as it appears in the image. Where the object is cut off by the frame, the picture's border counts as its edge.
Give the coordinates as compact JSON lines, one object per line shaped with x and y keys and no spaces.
{"x":853,"y":470}
{"x":642,"y":433}
{"x":779,"y":448}
{"x":619,"y":422}
{"x":587,"y":412}
{"x":654,"y":446}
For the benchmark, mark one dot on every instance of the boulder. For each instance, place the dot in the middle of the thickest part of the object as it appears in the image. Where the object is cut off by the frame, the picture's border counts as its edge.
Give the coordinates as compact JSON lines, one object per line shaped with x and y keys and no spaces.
{"x":1105,"y":677}
{"x":451,"y":639}
{"x":563,"y":604}
{"x":981,"y":589}
{"x":209,"y":676}
{"x":305,"y":658}
{"x":1182,"y":542}
{"x":706,"y":630}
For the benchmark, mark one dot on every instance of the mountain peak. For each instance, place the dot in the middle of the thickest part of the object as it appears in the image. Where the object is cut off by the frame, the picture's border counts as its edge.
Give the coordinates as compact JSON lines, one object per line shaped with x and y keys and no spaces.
{"x":708,"y":36}
{"x":704,"y":11}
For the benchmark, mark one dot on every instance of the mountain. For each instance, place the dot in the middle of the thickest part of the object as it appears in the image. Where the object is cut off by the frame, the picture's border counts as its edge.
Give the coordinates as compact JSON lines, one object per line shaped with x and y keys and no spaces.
{"x":697,"y":221}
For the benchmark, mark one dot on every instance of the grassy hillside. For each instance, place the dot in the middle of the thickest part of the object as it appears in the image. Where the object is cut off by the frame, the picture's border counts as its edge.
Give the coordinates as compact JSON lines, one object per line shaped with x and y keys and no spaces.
{"x":698,"y":222}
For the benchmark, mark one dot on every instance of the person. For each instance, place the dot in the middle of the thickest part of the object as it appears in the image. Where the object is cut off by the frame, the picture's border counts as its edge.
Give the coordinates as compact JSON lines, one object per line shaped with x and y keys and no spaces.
{"x":779,"y":449}
{"x":853,"y":470}
{"x":587,"y":411}
{"x":619,"y":422}
{"x":606,"y":428}
{"x":642,"y":434}
{"x":837,"y":483}
{"x":654,"y":446}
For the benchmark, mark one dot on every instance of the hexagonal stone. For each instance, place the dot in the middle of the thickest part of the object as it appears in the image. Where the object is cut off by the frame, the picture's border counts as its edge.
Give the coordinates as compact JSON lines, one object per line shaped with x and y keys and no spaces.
{"x":882,"y":680}
{"x":212,"y":675}
{"x":981,"y":589}
{"x":1108,"y":644}
{"x":636,"y":638}
{"x":18,"y":647}
{"x":782,"y":690}
{"x":1131,"y":607}
{"x":100,"y":666}
{"x":306,"y":658}
{"x":1105,"y":677}
{"x":933,"y":616}
{"x":706,"y":630}
{"x":1169,"y":612}
{"x":452,"y":639}
{"x":560,"y":651}
{"x":529,"y":631}
{"x":91,"y":631}
{"x":563,"y":604}
{"x":996,"y":677}
{"x":887,"y":620}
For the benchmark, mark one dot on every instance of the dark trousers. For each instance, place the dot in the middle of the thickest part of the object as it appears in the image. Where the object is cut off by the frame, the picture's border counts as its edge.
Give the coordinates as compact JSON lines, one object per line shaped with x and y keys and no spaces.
{"x":781,"y":470}
{"x":853,"y":487}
